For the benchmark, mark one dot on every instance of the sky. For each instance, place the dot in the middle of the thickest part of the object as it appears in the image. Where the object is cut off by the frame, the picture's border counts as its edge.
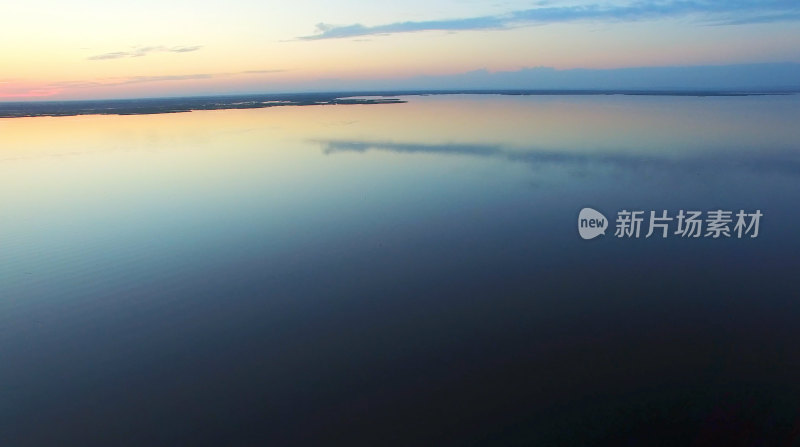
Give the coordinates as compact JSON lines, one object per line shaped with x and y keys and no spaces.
{"x":92,"y":49}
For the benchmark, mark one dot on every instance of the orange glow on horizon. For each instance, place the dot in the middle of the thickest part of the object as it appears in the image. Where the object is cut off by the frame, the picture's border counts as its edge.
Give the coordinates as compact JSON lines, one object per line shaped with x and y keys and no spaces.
{"x":33,"y":93}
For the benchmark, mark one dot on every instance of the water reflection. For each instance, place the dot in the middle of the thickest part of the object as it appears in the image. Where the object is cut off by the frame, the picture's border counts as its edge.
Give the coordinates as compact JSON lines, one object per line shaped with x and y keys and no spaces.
{"x":215,"y":277}
{"x":696,"y":161}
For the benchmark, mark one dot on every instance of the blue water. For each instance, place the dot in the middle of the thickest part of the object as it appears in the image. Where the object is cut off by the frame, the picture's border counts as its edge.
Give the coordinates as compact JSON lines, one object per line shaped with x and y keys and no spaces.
{"x":400,"y":274}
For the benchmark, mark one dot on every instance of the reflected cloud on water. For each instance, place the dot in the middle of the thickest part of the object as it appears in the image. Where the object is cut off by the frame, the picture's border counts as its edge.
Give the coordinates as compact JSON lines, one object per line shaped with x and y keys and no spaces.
{"x":777,"y":161}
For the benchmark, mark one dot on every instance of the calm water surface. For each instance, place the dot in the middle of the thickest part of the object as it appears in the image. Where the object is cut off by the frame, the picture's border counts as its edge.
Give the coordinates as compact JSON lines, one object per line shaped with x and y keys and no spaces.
{"x":405,"y":274}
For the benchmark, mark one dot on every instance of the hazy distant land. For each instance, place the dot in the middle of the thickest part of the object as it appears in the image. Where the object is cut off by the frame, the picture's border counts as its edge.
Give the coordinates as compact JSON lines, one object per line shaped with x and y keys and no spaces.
{"x":151,"y":106}
{"x":187,"y":104}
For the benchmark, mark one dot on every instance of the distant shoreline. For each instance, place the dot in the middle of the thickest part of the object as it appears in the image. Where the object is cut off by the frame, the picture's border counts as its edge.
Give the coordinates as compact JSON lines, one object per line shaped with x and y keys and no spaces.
{"x":151,"y":106}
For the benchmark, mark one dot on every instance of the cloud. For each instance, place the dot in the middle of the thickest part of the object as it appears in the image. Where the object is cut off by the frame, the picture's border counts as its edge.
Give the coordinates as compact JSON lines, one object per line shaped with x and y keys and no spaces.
{"x":748,"y":77}
{"x":734,"y":12}
{"x":111,"y":82}
{"x":30,"y":93}
{"x":55,"y":88}
{"x":186,"y":77}
{"x":763,"y":77}
{"x":143,"y":51}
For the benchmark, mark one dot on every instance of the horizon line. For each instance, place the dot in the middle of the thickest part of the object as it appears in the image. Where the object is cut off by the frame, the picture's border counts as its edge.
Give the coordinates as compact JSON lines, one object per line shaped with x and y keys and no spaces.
{"x":345,"y":93}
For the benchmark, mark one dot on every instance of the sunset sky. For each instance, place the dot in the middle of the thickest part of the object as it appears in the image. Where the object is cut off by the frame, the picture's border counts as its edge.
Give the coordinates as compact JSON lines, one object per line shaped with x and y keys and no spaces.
{"x":86,"y":49}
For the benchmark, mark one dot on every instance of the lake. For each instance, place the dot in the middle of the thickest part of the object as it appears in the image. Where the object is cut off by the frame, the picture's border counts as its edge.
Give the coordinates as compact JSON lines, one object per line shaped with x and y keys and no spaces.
{"x":400,"y":274}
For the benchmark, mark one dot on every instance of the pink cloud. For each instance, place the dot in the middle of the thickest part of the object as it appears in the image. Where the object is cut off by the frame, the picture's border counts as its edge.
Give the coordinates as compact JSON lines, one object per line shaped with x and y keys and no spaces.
{"x":30,"y":93}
